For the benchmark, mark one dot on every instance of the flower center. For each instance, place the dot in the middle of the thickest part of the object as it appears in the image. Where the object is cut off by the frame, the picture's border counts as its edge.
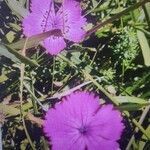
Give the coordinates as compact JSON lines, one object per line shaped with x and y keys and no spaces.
{"x":83,"y":130}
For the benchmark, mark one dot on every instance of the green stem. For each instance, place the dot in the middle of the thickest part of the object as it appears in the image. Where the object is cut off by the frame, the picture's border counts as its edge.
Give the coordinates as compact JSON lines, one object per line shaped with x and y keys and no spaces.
{"x":21,"y":103}
{"x":1,"y":137}
{"x":33,"y":101}
{"x":115,"y":17}
{"x":147,"y":15}
{"x":93,"y":58}
{"x":22,"y":71}
{"x":52,"y":86}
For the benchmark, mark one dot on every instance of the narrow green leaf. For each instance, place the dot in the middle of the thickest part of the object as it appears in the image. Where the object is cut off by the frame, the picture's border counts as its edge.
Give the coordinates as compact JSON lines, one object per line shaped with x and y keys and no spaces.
{"x":5,"y":52}
{"x":15,"y":56}
{"x":9,"y":110}
{"x":130,"y":99}
{"x":15,"y":27}
{"x":17,"y":7}
{"x":34,"y":40}
{"x":148,"y":132}
{"x":131,"y":107}
{"x":144,"y":46}
{"x":28,"y":105}
{"x":3,"y":78}
{"x":10,"y":36}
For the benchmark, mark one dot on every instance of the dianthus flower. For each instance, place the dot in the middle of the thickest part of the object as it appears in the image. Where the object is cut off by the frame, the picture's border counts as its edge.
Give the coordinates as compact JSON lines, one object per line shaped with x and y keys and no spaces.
{"x":80,"y":123}
{"x":67,"y":19}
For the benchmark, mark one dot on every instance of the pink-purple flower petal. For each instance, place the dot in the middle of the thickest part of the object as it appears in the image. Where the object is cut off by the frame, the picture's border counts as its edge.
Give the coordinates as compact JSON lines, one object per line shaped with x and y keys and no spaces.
{"x":54,"y":44}
{"x":32,"y":25}
{"x":73,"y":21}
{"x":108,"y":124}
{"x":78,"y":122}
{"x":41,"y":6}
{"x":44,"y":18}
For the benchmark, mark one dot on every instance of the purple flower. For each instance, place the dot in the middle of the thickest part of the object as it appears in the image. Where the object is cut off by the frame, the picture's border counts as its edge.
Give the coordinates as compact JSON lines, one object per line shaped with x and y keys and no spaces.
{"x":79,"y":123}
{"x":43,"y":17}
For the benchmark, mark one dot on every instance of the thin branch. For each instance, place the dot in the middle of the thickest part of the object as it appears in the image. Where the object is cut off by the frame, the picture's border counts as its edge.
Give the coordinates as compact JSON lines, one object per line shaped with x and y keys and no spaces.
{"x":147,"y":15}
{"x":52,"y":85}
{"x":22,"y":70}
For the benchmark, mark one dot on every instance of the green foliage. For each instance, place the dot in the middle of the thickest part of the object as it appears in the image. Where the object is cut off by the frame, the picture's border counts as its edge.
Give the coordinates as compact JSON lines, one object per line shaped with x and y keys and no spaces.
{"x":125,"y":47}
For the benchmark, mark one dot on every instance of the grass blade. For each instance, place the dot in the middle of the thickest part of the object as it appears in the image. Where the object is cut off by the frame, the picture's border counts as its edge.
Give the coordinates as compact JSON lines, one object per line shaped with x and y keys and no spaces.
{"x":144,"y":46}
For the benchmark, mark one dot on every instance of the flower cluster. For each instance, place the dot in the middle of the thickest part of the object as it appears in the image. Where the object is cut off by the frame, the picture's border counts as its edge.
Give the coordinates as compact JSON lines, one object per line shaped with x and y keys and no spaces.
{"x":67,"y":19}
{"x":79,"y":123}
